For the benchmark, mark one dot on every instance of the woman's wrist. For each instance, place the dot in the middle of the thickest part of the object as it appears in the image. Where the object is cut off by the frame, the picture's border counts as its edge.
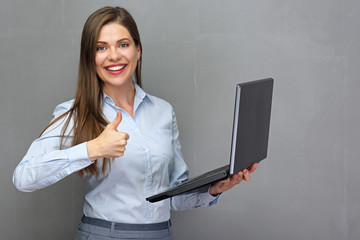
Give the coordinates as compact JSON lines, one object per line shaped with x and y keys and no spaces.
{"x":213,"y":192}
{"x":92,"y":151}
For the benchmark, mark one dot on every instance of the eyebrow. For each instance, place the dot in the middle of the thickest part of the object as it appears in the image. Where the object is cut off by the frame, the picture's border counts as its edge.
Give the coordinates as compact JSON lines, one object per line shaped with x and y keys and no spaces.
{"x":120,"y":40}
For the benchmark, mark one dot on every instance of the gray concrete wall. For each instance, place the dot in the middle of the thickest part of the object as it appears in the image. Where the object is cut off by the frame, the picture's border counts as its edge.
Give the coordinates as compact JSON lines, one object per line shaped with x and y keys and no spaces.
{"x":195,"y":51}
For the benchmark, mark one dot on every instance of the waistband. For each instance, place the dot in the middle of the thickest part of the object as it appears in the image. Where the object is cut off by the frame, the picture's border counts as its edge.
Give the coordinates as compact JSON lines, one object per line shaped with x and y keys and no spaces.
{"x":126,"y":226}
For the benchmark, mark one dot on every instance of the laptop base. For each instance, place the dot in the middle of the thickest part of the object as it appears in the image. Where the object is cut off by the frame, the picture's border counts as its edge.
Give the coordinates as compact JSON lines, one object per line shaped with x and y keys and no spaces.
{"x":192,"y":183}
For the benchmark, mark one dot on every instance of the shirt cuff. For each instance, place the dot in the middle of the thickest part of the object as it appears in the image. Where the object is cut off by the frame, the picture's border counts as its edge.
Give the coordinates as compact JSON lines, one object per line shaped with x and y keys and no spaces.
{"x":206,"y":197}
{"x":78,"y":157}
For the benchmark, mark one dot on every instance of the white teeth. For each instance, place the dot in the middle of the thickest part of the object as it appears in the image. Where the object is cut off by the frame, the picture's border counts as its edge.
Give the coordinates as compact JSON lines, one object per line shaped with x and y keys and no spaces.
{"x":115,"y":68}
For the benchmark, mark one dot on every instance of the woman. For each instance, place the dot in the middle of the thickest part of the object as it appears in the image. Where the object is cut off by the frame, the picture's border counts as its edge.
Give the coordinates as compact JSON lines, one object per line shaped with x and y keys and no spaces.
{"x":121,"y":140}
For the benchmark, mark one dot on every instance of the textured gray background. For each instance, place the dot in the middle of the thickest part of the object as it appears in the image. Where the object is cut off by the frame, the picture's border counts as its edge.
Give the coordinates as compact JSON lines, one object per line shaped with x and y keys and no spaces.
{"x":195,"y":51}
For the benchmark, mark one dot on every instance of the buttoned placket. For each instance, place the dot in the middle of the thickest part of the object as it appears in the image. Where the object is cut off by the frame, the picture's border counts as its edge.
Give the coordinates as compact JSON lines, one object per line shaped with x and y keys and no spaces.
{"x":147,"y":151}
{"x":147,"y":162}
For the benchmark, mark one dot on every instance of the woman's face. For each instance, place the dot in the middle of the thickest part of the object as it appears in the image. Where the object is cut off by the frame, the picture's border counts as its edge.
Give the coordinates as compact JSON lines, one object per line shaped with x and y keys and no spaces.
{"x":116,"y":55}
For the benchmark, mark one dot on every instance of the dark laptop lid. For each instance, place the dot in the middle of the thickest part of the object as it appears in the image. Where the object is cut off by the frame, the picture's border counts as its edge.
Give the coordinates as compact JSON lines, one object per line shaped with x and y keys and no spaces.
{"x":251,"y":123}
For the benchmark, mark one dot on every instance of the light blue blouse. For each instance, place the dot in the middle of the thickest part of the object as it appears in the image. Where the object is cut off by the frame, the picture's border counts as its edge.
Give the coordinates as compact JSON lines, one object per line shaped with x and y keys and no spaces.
{"x":152,"y":162}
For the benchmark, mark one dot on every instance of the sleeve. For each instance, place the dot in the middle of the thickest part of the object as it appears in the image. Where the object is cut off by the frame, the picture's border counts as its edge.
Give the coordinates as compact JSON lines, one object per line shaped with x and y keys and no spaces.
{"x":44,"y":163}
{"x":197,"y":198}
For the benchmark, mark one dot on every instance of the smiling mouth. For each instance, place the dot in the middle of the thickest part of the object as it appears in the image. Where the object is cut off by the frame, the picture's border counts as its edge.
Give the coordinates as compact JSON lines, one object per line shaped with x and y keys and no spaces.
{"x":115,"y":68}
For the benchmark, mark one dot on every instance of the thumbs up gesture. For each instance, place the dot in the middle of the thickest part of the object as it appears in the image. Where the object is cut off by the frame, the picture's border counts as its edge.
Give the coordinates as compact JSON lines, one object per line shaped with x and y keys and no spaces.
{"x":110,"y":143}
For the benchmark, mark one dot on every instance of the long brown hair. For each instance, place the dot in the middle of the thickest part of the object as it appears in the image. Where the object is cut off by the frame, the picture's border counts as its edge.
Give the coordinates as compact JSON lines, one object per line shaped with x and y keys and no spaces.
{"x":86,"y":112}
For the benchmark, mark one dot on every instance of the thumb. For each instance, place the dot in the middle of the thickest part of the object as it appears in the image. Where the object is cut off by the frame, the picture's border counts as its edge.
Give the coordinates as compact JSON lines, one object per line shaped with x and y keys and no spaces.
{"x":115,"y":123}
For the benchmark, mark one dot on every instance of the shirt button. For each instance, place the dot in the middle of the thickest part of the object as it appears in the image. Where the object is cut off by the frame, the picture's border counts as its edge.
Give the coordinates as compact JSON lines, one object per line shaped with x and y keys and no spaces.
{"x":81,"y":163}
{"x":149,"y":174}
{"x":61,"y":174}
{"x":147,"y":150}
{"x":148,"y":222}
{"x":136,"y":130}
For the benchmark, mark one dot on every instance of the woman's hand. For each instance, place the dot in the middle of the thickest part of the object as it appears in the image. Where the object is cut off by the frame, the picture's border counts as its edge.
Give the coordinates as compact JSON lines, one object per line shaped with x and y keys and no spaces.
{"x":222,"y":186}
{"x":110,"y":143}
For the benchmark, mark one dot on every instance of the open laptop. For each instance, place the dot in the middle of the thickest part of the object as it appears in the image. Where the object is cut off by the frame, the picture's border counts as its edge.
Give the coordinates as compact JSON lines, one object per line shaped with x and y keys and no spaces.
{"x":249,"y":137}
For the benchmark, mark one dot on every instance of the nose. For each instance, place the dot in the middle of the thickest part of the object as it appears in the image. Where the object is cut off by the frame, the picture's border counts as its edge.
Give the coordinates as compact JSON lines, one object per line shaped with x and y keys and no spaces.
{"x":114,"y":54}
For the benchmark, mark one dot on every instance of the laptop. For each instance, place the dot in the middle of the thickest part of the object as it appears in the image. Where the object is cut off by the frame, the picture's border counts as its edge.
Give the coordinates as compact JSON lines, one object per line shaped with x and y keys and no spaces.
{"x":249,"y":137}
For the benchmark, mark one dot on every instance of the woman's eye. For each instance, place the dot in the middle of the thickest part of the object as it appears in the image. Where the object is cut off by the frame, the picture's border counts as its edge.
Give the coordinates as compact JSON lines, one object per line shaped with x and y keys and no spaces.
{"x":100,"y":48}
{"x":123,"y":45}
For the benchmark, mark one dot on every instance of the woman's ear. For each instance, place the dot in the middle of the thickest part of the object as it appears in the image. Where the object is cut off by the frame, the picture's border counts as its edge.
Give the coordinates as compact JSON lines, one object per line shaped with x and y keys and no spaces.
{"x":138,"y":52}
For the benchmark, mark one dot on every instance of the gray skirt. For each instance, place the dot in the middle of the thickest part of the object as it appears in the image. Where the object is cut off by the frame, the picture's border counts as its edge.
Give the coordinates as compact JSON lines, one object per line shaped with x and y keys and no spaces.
{"x":98,"y":229}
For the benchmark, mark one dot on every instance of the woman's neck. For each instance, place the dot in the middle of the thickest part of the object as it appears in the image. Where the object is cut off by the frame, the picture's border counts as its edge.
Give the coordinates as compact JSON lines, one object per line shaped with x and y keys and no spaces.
{"x":123,"y":96}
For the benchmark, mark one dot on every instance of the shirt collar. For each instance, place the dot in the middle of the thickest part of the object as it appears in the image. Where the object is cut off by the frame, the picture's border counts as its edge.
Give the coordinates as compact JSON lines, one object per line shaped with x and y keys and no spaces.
{"x":139,"y":92}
